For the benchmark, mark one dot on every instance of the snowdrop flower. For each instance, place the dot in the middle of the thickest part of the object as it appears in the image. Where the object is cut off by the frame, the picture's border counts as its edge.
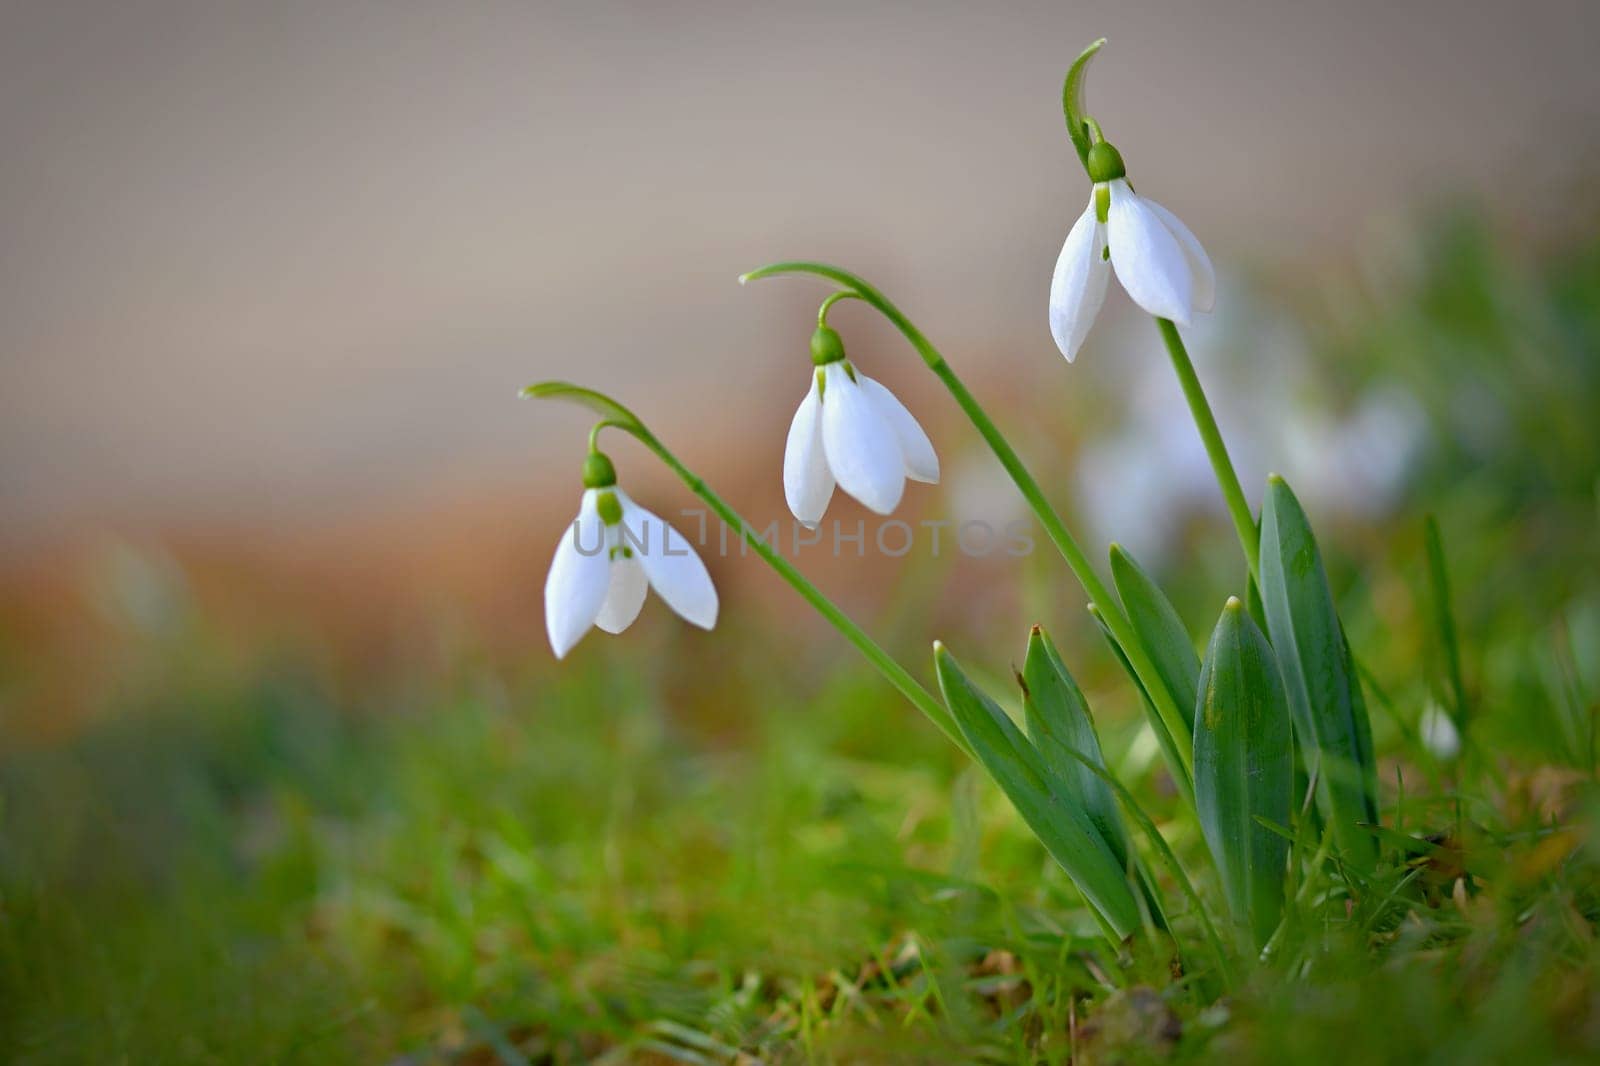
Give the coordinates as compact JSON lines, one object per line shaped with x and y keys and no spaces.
{"x":1439,"y":733}
{"x":850,"y":430}
{"x":613,"y":551}
{"x":1159,"y":262}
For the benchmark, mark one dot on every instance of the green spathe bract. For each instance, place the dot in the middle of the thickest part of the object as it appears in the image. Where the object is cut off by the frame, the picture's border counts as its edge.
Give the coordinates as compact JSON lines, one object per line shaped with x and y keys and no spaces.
{"x":1244,"y":771}
{"x":1072,"y":100}
{"x":1056,"y":819}
{"x":1330,"y":716}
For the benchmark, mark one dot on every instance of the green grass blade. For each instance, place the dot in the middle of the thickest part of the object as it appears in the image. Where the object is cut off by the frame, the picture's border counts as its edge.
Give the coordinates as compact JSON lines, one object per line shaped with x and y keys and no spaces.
{"x":1159,"y":628}
{"x":1330,"y":715}
{"x":1020,"y":771}
{"x":1444,"y":618}
{"x":1244,"y":770}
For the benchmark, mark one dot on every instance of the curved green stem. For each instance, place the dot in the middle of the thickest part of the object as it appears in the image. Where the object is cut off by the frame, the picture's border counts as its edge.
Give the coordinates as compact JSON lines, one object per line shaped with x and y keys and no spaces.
{"x":619,"y":417}
{"x":1054,"y":528}
{"x":604,"y":423}
{"x":833,"y":298}
{"x":1244,"y":522}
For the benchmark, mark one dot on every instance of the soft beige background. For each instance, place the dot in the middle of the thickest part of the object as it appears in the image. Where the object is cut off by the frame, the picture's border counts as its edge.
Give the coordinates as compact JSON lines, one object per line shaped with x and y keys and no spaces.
{"x":272,"y":263}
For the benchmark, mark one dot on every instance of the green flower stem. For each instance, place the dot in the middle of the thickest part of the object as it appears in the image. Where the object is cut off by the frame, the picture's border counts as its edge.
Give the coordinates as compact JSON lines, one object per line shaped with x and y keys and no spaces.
{"x":1054,"y":528}
{"x":621,"y":418}
{"x":833,"y":298}
{"x":1244,"y":522}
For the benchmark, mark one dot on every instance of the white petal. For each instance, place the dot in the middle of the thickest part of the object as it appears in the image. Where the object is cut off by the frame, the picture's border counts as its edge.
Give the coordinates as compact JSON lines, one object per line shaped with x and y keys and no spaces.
{"x":807,"y":482}
{"x":1079,"y":286}
{"x":624,"y":596}
{"x":670,"y":562}
{"x":1200,"y":268}
{"x":922,"y":462}
{"x":1147,"y":257}
{"x":579,"y":576}
{"x":862,"y":449}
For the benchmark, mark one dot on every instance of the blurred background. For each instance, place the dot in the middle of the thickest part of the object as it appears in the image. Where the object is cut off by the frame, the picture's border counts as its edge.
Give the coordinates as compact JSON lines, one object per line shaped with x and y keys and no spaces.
{"x":271,"y":275}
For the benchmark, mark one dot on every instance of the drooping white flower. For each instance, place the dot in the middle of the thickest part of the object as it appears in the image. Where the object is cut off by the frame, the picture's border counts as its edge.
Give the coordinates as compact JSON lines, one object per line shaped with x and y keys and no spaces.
{"x":1439,"y":733}
{"x":611,"y":554}
{"x":1158,"y":260}
{"x":851,"y":431}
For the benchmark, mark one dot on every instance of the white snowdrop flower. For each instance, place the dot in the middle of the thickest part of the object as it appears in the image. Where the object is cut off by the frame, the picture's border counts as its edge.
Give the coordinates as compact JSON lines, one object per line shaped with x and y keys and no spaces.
{"x":1159,"y":262}
{"x":1439,"y":733}
{"x":611,"y":554}
{"x":851,"y":431}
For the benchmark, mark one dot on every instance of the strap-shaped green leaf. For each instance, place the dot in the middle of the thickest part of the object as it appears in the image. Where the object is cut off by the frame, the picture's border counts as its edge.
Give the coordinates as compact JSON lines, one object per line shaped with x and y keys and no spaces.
{"x":1244,"y":770}
{"x":1160,"y":629}
{"x":1020,"y":771}
{"x":1062,"y":729}
{"x":1158,"y":725}
{"x":1058,"y":722}
{"x":1330,"y":716}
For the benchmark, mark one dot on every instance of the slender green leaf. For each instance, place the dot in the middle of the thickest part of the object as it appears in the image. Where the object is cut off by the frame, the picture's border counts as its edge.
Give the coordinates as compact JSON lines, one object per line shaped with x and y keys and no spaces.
{"x":1252,"y":600}
{"x":1061,"y":727}
{"x":1058,"y":723}
{"x":1158,"y":725}
{"x":1244,"y":770}
{"x":1158,"y":627}
{"x":1020,"y":771}
{"x":1330,"y":715}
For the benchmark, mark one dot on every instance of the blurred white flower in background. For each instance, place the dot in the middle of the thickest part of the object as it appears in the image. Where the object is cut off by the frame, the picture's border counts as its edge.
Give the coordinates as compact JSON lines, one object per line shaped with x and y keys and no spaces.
{"x":1439,"y":733}
{"x":1140,"y":482}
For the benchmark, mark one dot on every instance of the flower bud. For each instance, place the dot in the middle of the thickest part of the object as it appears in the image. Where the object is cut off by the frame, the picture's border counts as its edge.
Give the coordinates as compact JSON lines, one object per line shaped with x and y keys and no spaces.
{"x":1105,"y":163}
{"x":598,"y":473}
{"x":826,"y":346}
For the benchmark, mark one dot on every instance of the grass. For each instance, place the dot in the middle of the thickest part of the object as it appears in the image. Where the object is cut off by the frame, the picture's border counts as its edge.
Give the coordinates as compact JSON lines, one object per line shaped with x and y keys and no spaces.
{"x":629,"y":861}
